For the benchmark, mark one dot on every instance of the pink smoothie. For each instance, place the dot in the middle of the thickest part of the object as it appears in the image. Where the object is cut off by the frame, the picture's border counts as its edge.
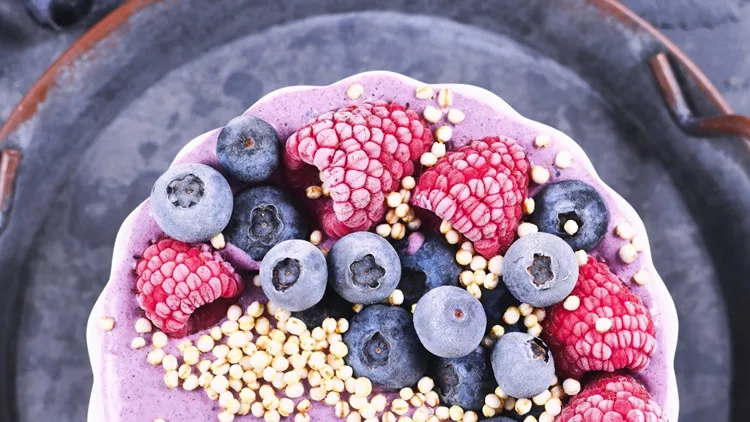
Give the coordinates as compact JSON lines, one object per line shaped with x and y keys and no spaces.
{"x":128,"y":389}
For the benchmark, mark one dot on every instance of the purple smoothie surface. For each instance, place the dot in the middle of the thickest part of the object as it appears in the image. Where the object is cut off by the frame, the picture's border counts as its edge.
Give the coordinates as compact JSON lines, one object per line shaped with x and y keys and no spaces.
{"x":128,"y":389}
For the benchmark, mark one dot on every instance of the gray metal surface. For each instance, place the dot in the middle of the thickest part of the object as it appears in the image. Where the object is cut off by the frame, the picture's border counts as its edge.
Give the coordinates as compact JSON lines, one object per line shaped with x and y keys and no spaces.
{"x":114,"y":159}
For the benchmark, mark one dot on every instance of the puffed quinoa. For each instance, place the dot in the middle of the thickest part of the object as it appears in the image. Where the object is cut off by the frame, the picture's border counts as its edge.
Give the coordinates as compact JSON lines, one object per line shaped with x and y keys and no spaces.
{"x":155,"y":357}
{"x":342,"y":409}
{"x":456,"y":413}
{"x":399,"y":406}
{"x":354,"y":417}
{"x":641,"y":277}
{"x":138,"y":343}
{"x":216,"y":333}
{"x":563,"y":159}
{"x":442,"y":413}
{"x":432,"y":114}
{"x":542,"y":140}
{"x":106,"y":324}
{"x":171,"y":379}
{"x":571,"y":387}
{"x":456,"y":116}
{"x":272,"y":416}
{"x":553,"y":406}
{"x":420,"y":415}
{"x":572,"y":303}
{"x":535,"y":330}
{"x":406,"y":393}
{"x":445,"y":98}
{"x":470,"y":416}
{"x":226,"y":416}
{"x":388,"y":417}
{"x":603,"y":325}
{"x":443,"y":134}
{"x":526,"y":228}
{"x":368,"y":411}
{"x":546,"y":417}
{"x":511,"y":315}
{"x":159,"y":340}
{"x":379,"y":402}
{"x":542,"y":398}
{"x":528,"y":206}
{"x":466,"y":278}
{"x":582,"y":257}
{"x":362,"y":387}
{"x":257,"y":409}
{"x":488,"y":411}
{"x":628,"y":253}
{"x":510,"y":403}
{"x":355,"y":91}
{"x":474,"y":290}
{"x":539,"y":175}
{"x":432,"y":399}
{"x":417,"y":400}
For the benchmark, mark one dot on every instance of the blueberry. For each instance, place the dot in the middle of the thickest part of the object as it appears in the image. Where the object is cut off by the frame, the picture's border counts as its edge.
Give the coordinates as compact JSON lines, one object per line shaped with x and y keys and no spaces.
{"x":540,"y":269}
{"x":464,"y":381}
{"x":384,"y":347}
{"x":433,"y":265}
{"x":248,"y":148}
{"x":263,"y":216}
{"x":59,"y":14}
{"x":522,"y":364}
{"x":294,"y":275}
{"x":191,"y":202}
{"x":573,"y":200}
{"x":364,"y":268}
{"x":331,"y":306}
{"x":450,"y":322}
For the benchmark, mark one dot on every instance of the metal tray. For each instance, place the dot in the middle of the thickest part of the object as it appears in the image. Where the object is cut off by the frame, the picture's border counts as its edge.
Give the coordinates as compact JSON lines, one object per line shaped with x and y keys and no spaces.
{"x":90,"y":138}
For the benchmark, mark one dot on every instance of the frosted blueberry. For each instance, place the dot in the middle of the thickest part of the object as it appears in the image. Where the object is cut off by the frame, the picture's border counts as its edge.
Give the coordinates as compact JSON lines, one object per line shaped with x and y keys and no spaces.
{"x":191,"y":202}
{"x":540,"y":269}
{"x":294,"y":275}
{"x":384,"y":347}
{"x":364,"y":268}
{"x":450,"y":322}
{"x":248,"y":148}
{"x":263,"y":216}
{"x":522,"y":364}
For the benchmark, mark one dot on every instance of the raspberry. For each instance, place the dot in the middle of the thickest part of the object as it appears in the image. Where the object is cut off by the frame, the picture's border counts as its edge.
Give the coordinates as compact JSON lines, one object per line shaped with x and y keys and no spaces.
{"x":576,"y":344}
{"x":479,"y":188}
{"x":175,"y":279}
{"x":613,"y":397}
{"x":363,"y":152}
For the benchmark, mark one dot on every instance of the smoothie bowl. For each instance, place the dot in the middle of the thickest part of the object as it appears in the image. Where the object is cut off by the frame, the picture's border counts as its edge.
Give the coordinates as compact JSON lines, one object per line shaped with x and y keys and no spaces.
{"x":383,"y":249}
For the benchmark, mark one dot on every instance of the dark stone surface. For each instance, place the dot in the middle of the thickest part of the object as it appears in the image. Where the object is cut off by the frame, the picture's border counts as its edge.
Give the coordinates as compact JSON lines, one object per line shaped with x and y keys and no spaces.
{"x":71,"y":253}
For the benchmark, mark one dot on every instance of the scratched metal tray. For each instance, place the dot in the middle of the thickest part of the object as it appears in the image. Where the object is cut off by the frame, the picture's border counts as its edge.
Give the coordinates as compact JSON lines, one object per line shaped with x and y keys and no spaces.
{"x":95,"y":132}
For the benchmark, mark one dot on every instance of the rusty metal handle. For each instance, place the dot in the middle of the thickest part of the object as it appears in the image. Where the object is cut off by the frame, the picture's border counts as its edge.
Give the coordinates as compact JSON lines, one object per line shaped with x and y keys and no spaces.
{"x":727,"y":124}
{"x":9,"y":162}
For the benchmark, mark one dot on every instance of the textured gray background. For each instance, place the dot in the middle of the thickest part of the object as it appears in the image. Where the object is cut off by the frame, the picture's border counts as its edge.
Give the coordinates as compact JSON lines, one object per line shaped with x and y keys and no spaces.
{"x":53,"y":373}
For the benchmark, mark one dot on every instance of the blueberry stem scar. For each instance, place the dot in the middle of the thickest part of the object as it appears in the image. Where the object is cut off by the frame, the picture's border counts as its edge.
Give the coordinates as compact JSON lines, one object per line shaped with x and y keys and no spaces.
{"x":540,"y":270}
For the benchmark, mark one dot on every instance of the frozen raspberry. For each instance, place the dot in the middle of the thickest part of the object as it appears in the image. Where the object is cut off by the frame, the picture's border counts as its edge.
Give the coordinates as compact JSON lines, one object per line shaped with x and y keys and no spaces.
{"x":612,"y":397}
{"x":479,"y":188}
{"x":628,"y":341}
{"x":184,"y":287}
{"x":363,"y":152}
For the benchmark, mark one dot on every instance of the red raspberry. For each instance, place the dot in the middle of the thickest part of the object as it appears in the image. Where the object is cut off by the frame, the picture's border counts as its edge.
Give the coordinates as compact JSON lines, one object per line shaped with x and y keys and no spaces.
{"x":613,"y":398}
{"x":363,"y":152}
{"x":175,"y":279}
{"x":479,"y":188}
{"x":576,"y":344}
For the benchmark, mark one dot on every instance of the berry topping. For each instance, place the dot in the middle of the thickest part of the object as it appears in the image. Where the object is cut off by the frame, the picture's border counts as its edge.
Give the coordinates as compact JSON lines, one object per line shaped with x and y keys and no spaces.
{"x":294,"y":274}
{"x":522,"y":364}
{"x":364,"y":267}
{"x":191,"y":202}
{"x":605,"y":329}
{"x":450,"y":322}
{"x":464,"y":381}
{"x":612,"y":397}
{"x":363,"y":152}
{"x":573,"y":211}
{"x":178,"y":283}
{"x":540,"y":269}
{"x":479,"y":188}
{"x":384,"y":347}
{"x":432,"y":265}
{"x":248,"y":148}
{"x":263,"y":217}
